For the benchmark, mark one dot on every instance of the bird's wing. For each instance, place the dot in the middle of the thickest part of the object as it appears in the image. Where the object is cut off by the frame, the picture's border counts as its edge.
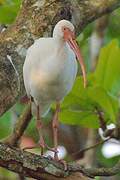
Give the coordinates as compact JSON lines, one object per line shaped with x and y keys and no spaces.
{"x":36,"y":54}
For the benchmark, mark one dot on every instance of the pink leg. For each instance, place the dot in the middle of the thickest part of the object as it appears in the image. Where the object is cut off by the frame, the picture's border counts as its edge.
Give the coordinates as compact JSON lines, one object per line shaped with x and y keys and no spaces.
{"x":39,"y":128}
{"x":55,"y":124}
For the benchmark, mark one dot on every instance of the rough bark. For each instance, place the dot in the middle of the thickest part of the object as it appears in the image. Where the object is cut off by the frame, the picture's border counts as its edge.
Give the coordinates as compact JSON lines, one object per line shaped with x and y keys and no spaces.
{"x":37,"y":18}
{"x":35,"y":166}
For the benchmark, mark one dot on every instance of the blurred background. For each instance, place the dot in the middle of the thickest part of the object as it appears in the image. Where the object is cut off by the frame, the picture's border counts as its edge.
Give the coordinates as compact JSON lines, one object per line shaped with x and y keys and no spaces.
{"x":73,"y":135}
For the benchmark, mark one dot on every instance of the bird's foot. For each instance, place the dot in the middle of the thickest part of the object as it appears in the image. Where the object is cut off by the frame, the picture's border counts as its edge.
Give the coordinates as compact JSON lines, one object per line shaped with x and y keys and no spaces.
{"x":56,"y":158}
{"x":64,"y":164}
{"x":51,"y":149}
{"x":32,"y":147}
{"x":41,"y":144}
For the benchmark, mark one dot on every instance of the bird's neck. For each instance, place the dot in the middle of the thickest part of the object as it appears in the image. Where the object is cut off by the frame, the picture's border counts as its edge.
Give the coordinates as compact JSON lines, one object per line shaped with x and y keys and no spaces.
{"x":61,"y":47}
{"x":59,"y":39}
{"x":60,"y":43}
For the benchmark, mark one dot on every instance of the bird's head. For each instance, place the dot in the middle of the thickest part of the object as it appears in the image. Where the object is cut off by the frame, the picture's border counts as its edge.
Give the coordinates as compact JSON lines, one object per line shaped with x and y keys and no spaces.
{"x":65,"y":31}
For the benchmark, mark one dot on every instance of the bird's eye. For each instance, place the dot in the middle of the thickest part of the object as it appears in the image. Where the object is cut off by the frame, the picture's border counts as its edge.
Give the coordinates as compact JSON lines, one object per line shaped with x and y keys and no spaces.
{"x":64,"y":28}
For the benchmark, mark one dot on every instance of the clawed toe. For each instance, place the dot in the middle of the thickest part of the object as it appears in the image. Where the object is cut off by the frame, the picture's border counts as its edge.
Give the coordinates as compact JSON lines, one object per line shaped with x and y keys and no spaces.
{"x":29,"y":147}
{"x":43,"y":146}
{"x":52,"y":149}
{"x":64,"y":164}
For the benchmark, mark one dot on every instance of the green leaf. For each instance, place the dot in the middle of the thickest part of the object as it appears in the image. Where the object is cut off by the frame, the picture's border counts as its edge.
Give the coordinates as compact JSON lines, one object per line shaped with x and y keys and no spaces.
{"x":80,"y":104}
{"x":78,"y":96}
{"x":103,"y":87}
{"x":105,"y":101}
{"x":1,"y":1}
{"x":9,"y":10}
{"x":85,"y":119}
{"x":107,"y":73}
{"x":78,"y":108}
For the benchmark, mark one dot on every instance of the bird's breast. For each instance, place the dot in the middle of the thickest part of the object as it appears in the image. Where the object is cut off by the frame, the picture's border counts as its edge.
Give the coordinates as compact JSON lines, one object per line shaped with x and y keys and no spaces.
{"x":54,"y":78}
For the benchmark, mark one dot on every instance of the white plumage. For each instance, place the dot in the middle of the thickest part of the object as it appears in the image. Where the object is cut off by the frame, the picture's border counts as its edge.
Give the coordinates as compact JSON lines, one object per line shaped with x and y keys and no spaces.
{"x":49,"y":73}
{"x":50,"y":69}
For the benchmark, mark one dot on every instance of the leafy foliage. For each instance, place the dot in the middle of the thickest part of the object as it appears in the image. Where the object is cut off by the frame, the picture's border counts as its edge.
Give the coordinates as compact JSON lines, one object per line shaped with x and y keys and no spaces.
{"x":79,"y":107}
{"x":108,"y":70}
{"x":8,"y":10}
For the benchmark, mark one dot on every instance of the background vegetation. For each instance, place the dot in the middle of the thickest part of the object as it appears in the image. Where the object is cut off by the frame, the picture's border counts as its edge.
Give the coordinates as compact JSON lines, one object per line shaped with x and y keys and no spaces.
{"x":82,"y":106}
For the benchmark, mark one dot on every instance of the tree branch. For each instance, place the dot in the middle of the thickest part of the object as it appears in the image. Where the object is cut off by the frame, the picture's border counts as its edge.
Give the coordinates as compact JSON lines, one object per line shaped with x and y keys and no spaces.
{"x":35,"y":166}
{"x":82,"y":151}
{"x":35,"y":19}
{"x":92,"y":172}
{"x":19,"y":128}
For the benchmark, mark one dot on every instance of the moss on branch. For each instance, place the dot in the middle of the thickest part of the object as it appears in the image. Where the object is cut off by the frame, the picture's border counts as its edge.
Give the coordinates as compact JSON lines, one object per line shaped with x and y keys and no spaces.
{"x":35,"y":166}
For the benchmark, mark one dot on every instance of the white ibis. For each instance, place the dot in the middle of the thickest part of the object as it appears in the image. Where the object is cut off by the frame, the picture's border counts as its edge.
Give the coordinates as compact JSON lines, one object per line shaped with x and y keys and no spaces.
{"x":49,"y":73}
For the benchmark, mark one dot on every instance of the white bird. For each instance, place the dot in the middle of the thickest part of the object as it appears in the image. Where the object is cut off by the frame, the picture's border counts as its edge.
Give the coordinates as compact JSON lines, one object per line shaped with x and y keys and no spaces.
{"x":49,"y":73}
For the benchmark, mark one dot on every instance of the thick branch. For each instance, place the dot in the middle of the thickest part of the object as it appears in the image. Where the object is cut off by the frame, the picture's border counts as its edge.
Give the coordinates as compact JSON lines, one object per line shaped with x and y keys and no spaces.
{"x":35,"y":19}
{"x":35,"y":166}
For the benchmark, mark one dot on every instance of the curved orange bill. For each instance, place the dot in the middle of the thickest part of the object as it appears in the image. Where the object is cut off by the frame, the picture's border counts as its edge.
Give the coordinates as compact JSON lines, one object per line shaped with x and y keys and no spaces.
{"x":70,"y":39}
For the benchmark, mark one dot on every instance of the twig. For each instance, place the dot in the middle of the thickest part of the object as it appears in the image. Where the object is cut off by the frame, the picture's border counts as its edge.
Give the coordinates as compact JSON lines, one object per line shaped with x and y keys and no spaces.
{"x":81,"y":152}
{"x":101,"y":119}
{"x":109,"y":133}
